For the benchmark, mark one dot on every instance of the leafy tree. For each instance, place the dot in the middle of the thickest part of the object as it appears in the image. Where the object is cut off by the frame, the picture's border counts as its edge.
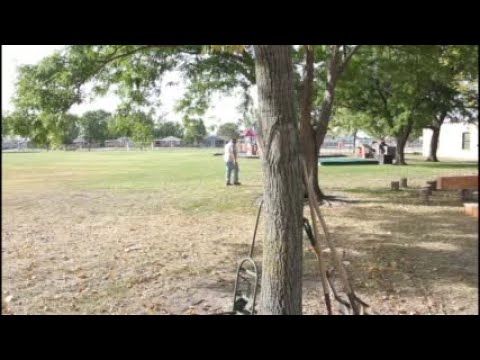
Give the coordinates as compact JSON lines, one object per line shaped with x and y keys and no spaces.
{"x":448,"y":92}
{"x":213,"y":129}
{"x":94,"y":126}
{"x":348,"y":122}
{"x":120,"y":125}
{"x":143,"y":134}
{"x":389,"y":85}
{"x":399,"y":90}
{"x":65,"y":130}
{"x":195,"y":130}
{"x":44,"y":94}
{"x":6,"y":124}
{"x":229,"y":130}
{"x":168,"y":128}
{"x":323,"y":67}
{"x":52,"y":130}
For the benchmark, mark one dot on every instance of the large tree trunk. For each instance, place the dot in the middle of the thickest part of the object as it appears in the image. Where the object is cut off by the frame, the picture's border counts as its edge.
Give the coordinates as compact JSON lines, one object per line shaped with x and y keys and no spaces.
{"x":402,"y":139}
{"x":335,"y":68}
{"x":321,"y":133}
{"x":283,"y":188}
{"x":436,"y":128}
{"x":311,"y":159}
{"x":310,"y":149}
{"x":400,"y":156}
{"x":333,"y":73}
{"x":434,"y":144}
{"x":355,"y":134}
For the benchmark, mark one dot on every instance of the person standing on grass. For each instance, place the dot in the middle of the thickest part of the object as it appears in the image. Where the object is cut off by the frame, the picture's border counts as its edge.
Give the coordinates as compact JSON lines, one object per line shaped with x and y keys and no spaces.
{"x":232,"y":162}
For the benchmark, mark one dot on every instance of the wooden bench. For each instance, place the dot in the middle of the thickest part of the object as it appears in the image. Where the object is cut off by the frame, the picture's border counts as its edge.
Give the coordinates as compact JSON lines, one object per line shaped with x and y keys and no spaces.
{"x":466,"y":184}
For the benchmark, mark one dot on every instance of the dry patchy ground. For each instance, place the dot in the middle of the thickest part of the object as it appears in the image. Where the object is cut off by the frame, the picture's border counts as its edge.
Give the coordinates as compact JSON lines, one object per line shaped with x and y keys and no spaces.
{"x":99,"y":251}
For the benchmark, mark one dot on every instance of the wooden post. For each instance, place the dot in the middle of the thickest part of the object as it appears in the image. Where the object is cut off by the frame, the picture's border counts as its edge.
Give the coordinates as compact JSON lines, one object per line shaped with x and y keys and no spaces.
{"x":433,"y":185}
{"x":395,"y":186}
{"x":404,"y":183}
{"x":316,"y":246}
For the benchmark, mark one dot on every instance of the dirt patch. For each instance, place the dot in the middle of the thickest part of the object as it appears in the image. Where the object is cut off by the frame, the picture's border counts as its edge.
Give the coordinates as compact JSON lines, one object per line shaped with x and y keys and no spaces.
{"x":99,"y":252}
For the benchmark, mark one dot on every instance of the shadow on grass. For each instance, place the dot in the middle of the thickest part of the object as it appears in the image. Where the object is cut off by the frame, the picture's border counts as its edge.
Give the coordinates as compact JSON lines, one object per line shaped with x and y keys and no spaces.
{"x":447,"y":165}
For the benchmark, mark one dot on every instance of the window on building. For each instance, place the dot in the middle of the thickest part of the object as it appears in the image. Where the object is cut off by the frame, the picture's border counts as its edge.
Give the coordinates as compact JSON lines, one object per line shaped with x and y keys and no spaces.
{"x":466,"y":141}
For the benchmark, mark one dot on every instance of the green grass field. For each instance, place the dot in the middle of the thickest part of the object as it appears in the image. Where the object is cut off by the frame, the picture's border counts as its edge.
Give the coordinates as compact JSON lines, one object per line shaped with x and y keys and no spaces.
{"x":155,"y":232}
{"x":193,"y":179}
{"x":180,"y":170}
{"x":187,"y":179}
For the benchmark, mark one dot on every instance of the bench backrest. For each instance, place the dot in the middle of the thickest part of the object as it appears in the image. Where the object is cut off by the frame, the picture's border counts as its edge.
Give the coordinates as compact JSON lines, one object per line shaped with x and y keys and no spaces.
{"x":458,"y":183}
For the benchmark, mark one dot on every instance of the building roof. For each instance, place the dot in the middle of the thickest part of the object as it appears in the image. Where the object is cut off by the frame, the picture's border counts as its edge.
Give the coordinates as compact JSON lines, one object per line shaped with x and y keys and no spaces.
{"x":171,"y":138}
{"x":79,"y":139}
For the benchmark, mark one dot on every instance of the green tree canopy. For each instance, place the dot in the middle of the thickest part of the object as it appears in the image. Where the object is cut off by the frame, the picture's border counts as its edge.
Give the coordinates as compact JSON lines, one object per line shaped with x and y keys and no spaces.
{"x":229,"y":130}
{"x":168,"y":128}
{"x":195,"y":130}
{"x":94,"y":126}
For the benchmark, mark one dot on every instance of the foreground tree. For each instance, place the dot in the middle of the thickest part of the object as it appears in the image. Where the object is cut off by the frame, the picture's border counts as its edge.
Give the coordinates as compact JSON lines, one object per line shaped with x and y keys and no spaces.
{"x":283,"y":188}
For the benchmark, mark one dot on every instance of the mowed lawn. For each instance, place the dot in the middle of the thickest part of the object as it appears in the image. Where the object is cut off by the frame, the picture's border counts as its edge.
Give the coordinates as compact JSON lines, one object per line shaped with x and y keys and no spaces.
{"x":158,"y":232}
{"x":184,"y":179}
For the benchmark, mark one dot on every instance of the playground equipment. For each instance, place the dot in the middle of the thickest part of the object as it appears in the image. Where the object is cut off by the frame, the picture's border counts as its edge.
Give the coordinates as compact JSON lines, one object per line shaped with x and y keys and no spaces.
{"x":250,"y":142}
{"x":339,"y":161}
{"x":381,"y":152}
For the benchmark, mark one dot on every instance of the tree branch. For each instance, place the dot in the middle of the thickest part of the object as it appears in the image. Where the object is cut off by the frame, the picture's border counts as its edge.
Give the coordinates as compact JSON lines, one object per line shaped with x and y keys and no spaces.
{"x":348,"y":58}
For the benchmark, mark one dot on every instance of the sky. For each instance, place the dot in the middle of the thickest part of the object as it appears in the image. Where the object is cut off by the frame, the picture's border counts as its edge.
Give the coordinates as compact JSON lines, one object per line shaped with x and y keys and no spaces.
{"x":15,"y":55}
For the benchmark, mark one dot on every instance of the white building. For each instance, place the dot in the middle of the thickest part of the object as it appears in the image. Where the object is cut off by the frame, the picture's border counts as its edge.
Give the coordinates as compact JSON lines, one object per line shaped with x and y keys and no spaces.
{"x":457,"y":141}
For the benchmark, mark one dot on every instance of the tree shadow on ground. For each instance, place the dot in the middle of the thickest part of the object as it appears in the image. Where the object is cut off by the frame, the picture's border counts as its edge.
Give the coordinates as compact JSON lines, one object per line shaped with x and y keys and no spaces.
{"x":410,"y":253}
